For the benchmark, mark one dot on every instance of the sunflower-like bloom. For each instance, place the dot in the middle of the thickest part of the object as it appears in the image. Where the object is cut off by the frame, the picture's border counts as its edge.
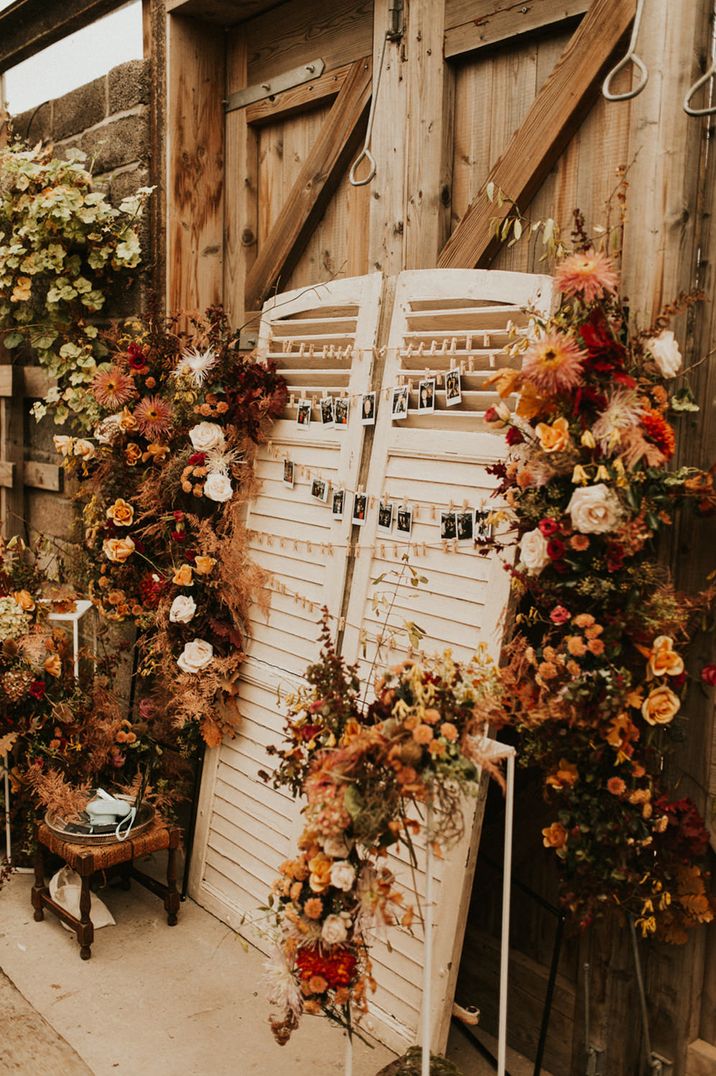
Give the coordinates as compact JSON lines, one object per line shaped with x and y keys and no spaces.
{"x":153,"y":416}
{"x":113,"y":388}
{"x":554,"y":364}
{"x":588,"y":274}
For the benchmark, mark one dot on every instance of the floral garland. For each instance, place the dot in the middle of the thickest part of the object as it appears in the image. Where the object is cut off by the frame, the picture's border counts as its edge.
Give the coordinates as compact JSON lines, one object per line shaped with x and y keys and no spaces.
{"x":63,"y":247}
{"x":595,"y":676}
{"x":163,"y":481}
{"x":366,"y":775}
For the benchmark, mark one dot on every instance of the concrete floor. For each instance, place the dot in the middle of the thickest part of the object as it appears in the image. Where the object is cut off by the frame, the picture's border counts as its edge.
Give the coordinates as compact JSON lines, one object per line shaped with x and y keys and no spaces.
{"x":155,"y":1001}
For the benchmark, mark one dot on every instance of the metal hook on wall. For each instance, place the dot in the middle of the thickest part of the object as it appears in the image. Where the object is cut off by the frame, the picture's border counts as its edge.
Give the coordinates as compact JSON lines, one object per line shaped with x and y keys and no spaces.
{"x":691,"y":93}
{"x":365,"y":154}
{"x":631,"y":57}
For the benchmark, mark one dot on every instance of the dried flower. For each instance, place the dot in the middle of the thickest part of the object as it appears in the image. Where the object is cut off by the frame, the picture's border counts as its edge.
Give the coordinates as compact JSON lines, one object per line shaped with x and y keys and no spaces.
{"x":590,"y":275}
{"x":554,"y":364}
{"x":153,"y":417}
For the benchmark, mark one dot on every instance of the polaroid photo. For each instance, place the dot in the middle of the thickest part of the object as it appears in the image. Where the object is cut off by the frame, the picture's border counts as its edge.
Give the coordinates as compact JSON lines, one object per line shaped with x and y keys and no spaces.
{"x":326,"y":404}
{"x":448,"y":526}
{"x":453,"y":387}
{"x":341,"y":408}
{"x":360,"y":507}
{"x":404,"y":520}
{"x":303,"y":413}
{"x":465,"y":526}
{"x":483,"y":530}
{"x":367,"y":409}
{"x":338,"y":503}
{"x":399,"y":403}
{"x":426,"y":395}
{"x":288,"y":473}
{"x":385,"y":517}
{"x":319,"y":489}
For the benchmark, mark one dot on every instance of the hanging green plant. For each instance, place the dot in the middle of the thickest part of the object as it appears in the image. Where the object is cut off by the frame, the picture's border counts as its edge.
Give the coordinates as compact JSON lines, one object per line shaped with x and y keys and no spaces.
{"x":63,"y":249}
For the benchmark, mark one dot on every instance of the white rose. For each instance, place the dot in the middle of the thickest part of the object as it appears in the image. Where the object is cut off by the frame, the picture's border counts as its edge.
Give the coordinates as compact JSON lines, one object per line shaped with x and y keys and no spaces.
{"x":206,"y":436}
{"x":195,"y":656}
{"x":182,"y":610}
{"x":108,"y":429}
{"x":84,"y":448}
{"x":63,"y":444}
{"x":533,"y":551}
{"x":594,"y":509}
{"x":334,"y":930}
{"x":336,"y":847}
{"x":218,"y":488}
{"x":665,"y":351}
{"x":343,"y":875}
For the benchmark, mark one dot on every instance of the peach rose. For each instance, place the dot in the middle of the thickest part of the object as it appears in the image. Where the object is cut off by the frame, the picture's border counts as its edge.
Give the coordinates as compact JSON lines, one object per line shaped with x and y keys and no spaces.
{"x":121,"y":513}
{"x":661,"y":706}
{"x":132,"y":454}
{"x":204,"y":565}
{"x":183,"y":576}
{"x":118,"y":550}
{"x":84,"y":449}
{"x":554,"y":437}
{"x":555,"y":836}
{"x":663,"y":659}
{"x":24,"y":599}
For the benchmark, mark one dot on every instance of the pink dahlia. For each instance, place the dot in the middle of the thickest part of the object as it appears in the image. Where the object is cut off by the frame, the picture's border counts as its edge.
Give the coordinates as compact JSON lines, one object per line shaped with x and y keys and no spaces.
{"x":153,"y":416}
{"x":587,"y":274}
{"x":113,"y":388}
{"x":554,"y":364}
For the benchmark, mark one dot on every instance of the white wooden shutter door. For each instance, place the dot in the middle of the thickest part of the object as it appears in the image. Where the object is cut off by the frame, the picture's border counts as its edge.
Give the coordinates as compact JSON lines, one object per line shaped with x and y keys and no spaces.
{"x":435,"y":462}
{"x":322,"y":340}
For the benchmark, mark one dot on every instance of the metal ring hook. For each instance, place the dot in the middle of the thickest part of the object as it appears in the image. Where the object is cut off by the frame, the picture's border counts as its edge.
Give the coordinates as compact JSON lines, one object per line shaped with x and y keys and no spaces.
{"x":631,"y":57}
{"x":364,"y":155}
{"x":710,"y":110}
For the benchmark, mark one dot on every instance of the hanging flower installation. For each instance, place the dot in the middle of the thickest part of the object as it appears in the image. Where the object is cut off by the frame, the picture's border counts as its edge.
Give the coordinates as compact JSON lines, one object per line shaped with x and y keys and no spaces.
{"x":596,"y":663}
{"x":163,"y":481}
{"x":367,"y":778}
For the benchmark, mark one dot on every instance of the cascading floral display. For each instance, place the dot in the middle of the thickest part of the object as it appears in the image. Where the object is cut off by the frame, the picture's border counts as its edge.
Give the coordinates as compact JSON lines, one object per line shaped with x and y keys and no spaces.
{"x":596,"y":662}
{"x":367,"y":776}
{"x":163,"y":480}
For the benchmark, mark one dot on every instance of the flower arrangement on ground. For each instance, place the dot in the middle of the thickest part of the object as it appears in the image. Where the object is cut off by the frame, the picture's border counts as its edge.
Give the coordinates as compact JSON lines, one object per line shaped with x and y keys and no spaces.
{"x":163,"y":480}
{"x":368,"y":775}
{"x":63,"y":248}
{"x":596,"y":664}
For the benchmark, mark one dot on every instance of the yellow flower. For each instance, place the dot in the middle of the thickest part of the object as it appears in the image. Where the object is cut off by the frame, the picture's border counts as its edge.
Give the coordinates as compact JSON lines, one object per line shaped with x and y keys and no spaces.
{"x":565,"y":776}
{"x":660,"y":706}
{"x":204,"y":565}
{"x":554,"y":437}
{"x":580,"y":476}
{"x":121,"y":513}
{"x":183,"y":576}
{"x":587,"y":439}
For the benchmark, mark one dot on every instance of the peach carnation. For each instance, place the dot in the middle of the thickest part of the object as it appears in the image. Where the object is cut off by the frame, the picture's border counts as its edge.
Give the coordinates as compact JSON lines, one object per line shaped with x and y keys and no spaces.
{"x":588,"y":274}
{"x":554,"y":364}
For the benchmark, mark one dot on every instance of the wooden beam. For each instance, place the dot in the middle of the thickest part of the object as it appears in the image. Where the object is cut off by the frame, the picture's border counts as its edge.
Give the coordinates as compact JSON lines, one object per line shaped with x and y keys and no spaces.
{"x":12,"y":495}
{"x":470,"y":25}
{"x":195,"y":165}
{"x":6,"y":380}
{"x":241,"y":195}
{"x":292,"y":102}
{"x":223,"y":12}
{"x":556,"y":112}
{"x":35,"y":382}
{"x":28,"y":26}
{"x":7,"y":475}
{"x":46,"y":476}
{"x":319,"y":177}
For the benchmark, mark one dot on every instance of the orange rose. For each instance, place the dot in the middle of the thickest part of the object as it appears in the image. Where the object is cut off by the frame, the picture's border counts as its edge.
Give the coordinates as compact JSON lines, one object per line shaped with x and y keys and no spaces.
{"x":320,"y":876}
{"x":555,"y":836}
{"x":204,"y":565}
{"x":118,"y":550}
{"x":183,"y":576}
{"x":576,"y":646}
{"x":554,"y":437}
{"x":132,"y":454}
{"x":53,"y":665}
{"x":596,"y":647}
{"x":663,"y":660}
{"x":25,"y":600}
{"x":121,"y":513}
{"x":661,"y":706}
{"x":448,"y":731}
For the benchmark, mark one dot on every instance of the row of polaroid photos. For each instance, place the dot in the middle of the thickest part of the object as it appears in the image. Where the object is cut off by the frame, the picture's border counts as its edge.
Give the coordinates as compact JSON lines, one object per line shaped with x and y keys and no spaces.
{"x":334,"y":410}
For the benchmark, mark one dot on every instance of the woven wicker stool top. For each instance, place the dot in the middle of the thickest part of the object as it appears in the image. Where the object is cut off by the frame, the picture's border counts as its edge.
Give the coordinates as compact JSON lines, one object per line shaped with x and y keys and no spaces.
{"x":87,"y":858}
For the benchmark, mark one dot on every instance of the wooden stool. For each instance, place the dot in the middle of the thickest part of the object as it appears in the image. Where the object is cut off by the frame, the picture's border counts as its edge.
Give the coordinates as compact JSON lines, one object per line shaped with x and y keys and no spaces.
{"x":87,"y":859}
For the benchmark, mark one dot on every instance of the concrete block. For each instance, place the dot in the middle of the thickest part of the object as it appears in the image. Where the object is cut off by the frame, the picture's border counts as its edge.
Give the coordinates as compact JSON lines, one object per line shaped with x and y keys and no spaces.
{"x":701,"y":1059}
{"x":128,"y":85}
{"x":51,"y":513}
{"x":80,"y":109}
{"x":117,"y":142}
{"x":124,"y":183}
{"x":35,"y":124}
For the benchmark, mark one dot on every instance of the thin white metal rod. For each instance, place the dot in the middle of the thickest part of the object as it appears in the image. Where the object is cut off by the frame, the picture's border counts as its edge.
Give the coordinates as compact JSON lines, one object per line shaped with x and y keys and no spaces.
{"x":349,"y":1055}
{"x":6,"y":797}
{"x":505,"y":940}
{"x":428,"y":948}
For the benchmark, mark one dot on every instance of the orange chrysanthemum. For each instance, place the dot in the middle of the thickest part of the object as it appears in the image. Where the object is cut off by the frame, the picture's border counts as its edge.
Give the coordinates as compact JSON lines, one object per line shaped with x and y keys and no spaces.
{"x":587,"y":274}
{"x":153,"y":417}
{"x":554,"y":364}
{"x":658,"y":430}
{"x":113,"y":388}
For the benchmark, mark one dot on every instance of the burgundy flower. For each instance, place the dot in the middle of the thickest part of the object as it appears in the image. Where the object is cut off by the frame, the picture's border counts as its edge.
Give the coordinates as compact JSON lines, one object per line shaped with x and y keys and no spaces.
{"x":615,"y":557}
{"x":491,"y":414}
{"x":559,"y":615}
{"x":676,"y":682}
{"x":178,"y":536}
{"x":514,"y":436}
{"x":178,"y":515}
{"x":555,"y":549}
{"x":198,"y":459}
{"x":37,"y":689}
{"x":708,"y":675}
{"x":548,"y":527}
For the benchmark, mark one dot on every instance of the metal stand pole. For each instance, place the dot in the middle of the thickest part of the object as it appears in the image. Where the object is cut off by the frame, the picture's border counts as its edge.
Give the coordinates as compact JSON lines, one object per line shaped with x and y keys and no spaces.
{"x":349,"y":1055}
{"x":505,"y":939}
{"x":6,"y":806}
{"x":428,"y":948}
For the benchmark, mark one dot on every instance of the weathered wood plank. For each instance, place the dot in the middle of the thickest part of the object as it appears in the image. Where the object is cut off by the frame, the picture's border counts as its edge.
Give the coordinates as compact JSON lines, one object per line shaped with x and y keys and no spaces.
{"x":12,"y":496}
{"x":241,"y":193}
{"x":471,"y":25}
{"x":547,"y":128}
{"x":316,"y":182}
{"x":35,"y":382}
{"x":338,"y":32}
{"x":7,"y":475}
{"x":30,"y":25}
{"x":6,"y":380}
{"x":195,"y":173}
{"x":298,"y":99}
{"x":46,"y":476}
{"x":223,"y":12}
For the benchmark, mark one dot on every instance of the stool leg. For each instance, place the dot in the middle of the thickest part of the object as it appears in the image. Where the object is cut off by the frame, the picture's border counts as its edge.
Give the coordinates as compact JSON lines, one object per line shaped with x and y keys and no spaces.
{"x":125,"y":872}
{"x":85,"y":933}
{"x":39,"y":887}
{"x":171,"y":901}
